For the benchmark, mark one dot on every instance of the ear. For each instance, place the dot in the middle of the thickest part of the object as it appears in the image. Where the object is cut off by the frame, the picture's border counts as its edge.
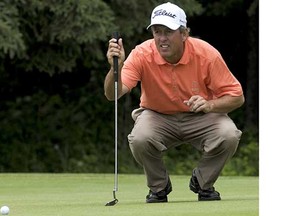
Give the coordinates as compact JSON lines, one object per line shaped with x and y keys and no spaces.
{"x":185,"y":35}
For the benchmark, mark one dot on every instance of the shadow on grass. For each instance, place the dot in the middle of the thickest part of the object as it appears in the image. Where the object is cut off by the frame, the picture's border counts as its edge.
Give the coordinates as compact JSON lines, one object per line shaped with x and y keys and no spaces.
{"x":223,"y":200}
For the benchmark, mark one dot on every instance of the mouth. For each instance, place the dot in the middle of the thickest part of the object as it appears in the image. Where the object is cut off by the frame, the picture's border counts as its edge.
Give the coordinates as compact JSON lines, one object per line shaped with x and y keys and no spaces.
{"x":164,"y":46}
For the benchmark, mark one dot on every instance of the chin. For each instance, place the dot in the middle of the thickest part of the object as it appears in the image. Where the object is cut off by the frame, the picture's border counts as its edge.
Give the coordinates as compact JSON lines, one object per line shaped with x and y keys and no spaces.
{"x":165,"y":54}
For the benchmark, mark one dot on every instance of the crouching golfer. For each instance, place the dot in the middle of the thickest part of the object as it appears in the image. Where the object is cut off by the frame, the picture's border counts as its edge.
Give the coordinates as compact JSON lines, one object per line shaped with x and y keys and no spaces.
{"x":186,"y":92}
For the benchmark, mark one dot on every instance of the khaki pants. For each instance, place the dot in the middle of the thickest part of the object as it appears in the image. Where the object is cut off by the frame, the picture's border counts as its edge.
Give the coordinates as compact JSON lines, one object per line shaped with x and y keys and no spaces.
{"x":214,"y":134}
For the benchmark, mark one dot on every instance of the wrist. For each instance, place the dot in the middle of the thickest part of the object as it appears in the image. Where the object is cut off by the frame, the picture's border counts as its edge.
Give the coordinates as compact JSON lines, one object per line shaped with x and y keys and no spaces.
{"x":211,"y":106}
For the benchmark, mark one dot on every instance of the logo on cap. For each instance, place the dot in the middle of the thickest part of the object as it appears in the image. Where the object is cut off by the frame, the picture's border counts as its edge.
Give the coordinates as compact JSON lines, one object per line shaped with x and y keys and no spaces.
{"x":162,"y":12}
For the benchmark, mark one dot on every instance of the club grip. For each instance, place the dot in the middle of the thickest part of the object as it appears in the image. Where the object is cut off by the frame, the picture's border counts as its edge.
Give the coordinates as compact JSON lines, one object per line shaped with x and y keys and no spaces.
{"x":115,"y":58}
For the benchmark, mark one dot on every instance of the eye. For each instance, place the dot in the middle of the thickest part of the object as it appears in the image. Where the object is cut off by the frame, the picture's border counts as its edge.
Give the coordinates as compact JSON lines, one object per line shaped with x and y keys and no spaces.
{"x":156,"y":32}
{"x":169,"y":32}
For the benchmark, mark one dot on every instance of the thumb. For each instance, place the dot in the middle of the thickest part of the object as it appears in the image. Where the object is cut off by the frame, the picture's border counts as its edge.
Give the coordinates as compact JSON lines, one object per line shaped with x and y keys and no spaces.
{"x":120,"y":42}
{"x":186,"y":102}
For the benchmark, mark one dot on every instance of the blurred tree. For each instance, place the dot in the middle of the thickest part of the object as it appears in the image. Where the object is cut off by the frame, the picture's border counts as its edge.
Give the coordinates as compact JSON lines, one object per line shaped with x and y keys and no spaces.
{"x":252,"y":82}
{"x":50,"y":36}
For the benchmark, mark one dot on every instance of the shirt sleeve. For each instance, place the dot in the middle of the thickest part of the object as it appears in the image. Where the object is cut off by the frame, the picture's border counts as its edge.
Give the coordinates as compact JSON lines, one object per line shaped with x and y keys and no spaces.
{"x":131,"y":71}
{"x":221,"y":81}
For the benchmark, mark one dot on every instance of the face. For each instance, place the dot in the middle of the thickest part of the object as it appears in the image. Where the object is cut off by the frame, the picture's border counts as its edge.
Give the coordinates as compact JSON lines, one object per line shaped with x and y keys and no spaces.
{"x":169,"y":43}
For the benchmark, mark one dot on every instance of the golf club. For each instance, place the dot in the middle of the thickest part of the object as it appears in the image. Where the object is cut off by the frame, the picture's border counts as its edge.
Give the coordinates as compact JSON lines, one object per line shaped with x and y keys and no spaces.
{"x":115,"y":65}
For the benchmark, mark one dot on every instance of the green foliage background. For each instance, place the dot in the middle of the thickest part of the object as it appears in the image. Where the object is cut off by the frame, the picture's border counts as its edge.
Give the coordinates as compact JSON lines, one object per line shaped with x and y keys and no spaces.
{"x":53,"y":113}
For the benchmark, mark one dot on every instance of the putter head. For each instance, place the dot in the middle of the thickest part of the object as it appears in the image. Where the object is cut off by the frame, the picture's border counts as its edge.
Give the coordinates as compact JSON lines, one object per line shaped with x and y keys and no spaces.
{"x":112,"y":203}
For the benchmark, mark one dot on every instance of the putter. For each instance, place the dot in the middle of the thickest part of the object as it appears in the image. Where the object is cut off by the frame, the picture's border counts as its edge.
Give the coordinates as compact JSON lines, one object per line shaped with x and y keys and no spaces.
{"x":115,"y":65}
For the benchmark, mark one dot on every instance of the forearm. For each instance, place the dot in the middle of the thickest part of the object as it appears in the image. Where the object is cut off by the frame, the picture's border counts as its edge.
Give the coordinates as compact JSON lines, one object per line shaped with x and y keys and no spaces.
{"x":223,"y":104}
{"x":226,"y":104}
{"x":109,"y":85}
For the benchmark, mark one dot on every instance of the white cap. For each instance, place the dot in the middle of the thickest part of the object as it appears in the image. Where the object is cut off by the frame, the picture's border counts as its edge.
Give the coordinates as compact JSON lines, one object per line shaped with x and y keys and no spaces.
{"x":169,"y":15}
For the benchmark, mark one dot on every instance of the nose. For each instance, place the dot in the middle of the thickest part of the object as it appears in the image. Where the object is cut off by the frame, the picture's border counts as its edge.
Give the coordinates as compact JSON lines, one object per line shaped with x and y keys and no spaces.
{"x":163,"y":37}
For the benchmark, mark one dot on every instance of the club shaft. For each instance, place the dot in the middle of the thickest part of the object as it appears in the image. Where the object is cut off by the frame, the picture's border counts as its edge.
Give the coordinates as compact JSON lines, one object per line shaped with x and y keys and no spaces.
{"x":115,"y":65}
{"x":116,"y":138}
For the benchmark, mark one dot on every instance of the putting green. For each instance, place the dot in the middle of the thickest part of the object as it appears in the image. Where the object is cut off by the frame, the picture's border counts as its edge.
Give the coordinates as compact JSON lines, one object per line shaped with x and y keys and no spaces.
{"x":87,"y":194}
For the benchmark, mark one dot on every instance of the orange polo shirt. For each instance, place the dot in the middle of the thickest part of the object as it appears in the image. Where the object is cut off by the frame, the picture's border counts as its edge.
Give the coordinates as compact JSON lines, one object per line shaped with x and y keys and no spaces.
{"x":164,"y":86}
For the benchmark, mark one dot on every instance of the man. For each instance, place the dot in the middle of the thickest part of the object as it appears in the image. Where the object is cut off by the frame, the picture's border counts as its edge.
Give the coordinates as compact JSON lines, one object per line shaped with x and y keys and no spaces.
{"x":186,"y":92}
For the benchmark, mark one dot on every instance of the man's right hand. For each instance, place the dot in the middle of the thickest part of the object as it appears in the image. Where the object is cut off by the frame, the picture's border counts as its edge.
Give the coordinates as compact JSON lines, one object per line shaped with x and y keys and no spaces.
{"x":116,"y":49}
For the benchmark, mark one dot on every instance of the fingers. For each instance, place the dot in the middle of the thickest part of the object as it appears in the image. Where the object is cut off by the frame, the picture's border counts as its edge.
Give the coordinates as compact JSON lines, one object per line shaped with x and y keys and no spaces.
{"x":115,"y":49}
{"x":196,"y":104}
{"x":193,"y":100}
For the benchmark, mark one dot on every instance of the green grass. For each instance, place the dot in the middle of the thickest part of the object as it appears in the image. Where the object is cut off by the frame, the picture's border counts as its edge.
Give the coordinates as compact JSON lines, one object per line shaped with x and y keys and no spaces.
{"x":87,"y":194}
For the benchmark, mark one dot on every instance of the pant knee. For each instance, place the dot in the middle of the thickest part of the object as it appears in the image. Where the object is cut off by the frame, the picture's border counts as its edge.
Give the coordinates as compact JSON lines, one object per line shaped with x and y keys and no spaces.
{"x":223,"y":140}
{"x":137,"y":143}
{"x":230,"y":139}
{"x":145,"y":146}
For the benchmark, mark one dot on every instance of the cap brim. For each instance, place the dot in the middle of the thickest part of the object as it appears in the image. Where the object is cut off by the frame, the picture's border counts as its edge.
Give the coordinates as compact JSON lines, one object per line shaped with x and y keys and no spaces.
{"x":172,"y":26}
